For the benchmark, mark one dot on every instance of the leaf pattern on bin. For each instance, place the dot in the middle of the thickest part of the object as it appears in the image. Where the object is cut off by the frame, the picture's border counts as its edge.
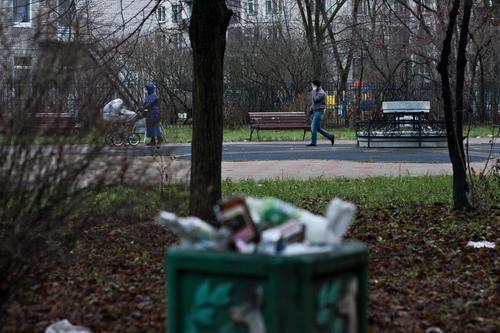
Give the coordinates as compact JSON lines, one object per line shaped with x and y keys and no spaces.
{"x":209,"y":300}
{"x":336,"y":306}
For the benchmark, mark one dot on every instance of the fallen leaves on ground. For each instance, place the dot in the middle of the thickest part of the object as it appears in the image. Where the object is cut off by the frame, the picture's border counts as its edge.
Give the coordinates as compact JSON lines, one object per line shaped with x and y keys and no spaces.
{"x":421,"y":273}
{"x":112,"y":281}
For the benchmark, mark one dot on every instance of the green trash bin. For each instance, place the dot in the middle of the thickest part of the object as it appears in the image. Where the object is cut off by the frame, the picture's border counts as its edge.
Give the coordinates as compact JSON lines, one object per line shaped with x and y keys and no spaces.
{"x":227,"y":292}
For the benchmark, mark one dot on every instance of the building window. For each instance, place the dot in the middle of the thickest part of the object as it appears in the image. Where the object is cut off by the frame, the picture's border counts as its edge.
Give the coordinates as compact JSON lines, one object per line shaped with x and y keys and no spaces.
{"x":176,"y":13}
{"x":398,"y":8}
{"x":178,"y":41}
{"x":251,"y":7}
{"x":66,"y":11}
{"x":256,"y":33}
{"x":22,"y":62}
{"x":365,"y":8}
{"x":272,"y":7}
{"x":22,"y":12}
{"x":22,"y":69}
{"x":269,"y":7}
{"x":22,"y":76}
{"x":161,"y":13}
{"x":162,"y":40}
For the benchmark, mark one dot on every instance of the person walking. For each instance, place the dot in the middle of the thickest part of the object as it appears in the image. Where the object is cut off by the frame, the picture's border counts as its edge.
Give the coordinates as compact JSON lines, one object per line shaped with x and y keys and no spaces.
{"x":153,"y":130}
{"x":317,"y":111}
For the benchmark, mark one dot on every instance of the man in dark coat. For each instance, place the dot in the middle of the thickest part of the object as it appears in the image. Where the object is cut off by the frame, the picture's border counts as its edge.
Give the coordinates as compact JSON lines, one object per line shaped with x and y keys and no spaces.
{"x":318,"y":97}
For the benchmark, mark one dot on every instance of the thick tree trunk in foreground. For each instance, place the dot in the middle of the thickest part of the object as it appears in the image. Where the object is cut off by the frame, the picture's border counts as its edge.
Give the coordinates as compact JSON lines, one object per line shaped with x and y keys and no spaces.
{"x":207,"y":33}
{"x":454,"y":124}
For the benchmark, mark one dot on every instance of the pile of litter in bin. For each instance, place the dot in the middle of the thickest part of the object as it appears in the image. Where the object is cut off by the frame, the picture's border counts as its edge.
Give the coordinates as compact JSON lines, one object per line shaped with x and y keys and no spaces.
{"x":269,"y":226}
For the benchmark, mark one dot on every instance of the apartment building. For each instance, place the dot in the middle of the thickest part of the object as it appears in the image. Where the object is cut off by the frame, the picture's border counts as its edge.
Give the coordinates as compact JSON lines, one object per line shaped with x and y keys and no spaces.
{"x":251,"y":17}
{"x":31,"y":27}
{"x":52,"y":48}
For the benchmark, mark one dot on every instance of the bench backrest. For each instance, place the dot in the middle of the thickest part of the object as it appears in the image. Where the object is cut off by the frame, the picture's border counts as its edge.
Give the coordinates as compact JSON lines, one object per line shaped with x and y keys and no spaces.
{"x":41,"y":121}
{"x":406,"y":107}
{"x":278,"y":117}
{"x":52,"y":120}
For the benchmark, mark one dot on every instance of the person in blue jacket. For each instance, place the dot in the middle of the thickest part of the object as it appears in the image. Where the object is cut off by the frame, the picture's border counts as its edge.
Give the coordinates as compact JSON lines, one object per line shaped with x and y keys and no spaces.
{"x":153,"y":130}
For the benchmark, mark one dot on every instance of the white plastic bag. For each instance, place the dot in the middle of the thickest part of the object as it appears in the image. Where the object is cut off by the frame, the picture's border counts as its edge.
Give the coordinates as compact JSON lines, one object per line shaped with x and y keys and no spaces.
{"x":319,"y":229}
{"x":64,"y":326}
{"x":481,"y":244}
{"x":116,"y":111}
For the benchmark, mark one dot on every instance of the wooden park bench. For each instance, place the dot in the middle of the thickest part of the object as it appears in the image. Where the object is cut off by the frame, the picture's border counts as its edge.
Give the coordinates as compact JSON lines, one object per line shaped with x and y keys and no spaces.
{"x":278,"y":121}
{"x":46,"y":122}
{"x":405,"y":124}
{"x":53,"y":121}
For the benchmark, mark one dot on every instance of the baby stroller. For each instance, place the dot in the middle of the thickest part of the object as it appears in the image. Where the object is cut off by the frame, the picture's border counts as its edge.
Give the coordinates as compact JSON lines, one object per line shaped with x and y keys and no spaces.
{"x":125,"y":125}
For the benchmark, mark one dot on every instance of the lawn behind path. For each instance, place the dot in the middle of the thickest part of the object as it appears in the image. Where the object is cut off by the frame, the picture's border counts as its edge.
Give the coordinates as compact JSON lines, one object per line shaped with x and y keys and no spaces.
{"x":183,"y":134}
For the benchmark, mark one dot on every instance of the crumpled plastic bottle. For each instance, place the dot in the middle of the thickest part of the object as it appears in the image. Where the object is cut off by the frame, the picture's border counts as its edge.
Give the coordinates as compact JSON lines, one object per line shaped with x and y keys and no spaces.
{"x":270,"y":212}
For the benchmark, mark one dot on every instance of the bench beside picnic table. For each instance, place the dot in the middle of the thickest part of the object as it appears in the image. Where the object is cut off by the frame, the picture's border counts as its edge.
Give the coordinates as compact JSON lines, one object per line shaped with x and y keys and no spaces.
{"x":278,"y":121}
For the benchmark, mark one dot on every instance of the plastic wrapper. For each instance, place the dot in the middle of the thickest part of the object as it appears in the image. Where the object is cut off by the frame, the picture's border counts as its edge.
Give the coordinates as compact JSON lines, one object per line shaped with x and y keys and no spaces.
{"x":270,"y":212}
{"x":275,"y":240}
{"x":340,"y":214}
{"x":266,"y":225}
{"x":64,"y":326}
{"x":481,"y":244}
{"x":193,"y":231}
{"x":115,"y":111}
{"x":233,"y":214}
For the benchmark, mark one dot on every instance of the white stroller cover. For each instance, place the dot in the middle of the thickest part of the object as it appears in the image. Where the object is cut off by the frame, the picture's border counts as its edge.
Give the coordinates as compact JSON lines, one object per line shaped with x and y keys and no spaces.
{"x":115,"y":111}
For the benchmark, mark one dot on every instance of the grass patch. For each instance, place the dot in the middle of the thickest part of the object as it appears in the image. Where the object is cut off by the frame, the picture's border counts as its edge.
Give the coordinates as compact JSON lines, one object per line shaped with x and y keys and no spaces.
{"x":372,"y":192}
{"x":142,"y":203}
{"x":183,"y":134}
{"x":91,"y":136}
{"x":368,"y":193}
{"x":137,"y":203}
{"x":481,"y":131}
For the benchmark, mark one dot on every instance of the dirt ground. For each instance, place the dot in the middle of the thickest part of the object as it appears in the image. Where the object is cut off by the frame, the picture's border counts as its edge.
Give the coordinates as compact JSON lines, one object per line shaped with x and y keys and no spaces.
{"x":421,"y":275}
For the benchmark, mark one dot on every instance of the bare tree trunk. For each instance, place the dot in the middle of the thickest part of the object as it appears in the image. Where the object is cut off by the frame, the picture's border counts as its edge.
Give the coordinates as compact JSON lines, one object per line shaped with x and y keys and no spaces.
{"x":207,"y":33}
{"x":315,"y":21}
{"x":460,"y":185}
{"x":454,"y":127}
{"x":482,"y":93}
{"x":317,"y":62}
{"x":342,"y":69}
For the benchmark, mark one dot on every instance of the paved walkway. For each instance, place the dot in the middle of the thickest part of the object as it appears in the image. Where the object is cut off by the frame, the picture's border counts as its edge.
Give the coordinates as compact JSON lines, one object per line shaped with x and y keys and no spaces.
{"x":285,"y":160}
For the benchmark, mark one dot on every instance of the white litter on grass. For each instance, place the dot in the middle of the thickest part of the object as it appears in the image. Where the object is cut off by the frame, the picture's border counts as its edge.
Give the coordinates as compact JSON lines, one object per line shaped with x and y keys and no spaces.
{"x":64,"y":326}
{"x":481,"y":244}
{"x":434,"y":329}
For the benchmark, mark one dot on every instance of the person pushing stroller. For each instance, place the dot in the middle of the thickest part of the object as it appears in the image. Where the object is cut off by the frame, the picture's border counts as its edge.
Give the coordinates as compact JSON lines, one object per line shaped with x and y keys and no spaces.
{"x":152,"y":114}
